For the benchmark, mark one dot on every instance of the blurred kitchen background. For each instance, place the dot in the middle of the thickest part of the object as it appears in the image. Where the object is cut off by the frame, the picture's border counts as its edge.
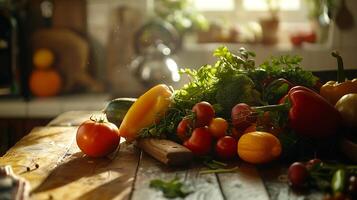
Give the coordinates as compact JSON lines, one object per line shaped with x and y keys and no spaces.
{"x":62,"y":55}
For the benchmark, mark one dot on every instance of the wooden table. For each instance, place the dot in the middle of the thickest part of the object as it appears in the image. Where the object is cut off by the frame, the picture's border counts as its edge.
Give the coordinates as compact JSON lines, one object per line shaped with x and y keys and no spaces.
{"x":65,"y":173}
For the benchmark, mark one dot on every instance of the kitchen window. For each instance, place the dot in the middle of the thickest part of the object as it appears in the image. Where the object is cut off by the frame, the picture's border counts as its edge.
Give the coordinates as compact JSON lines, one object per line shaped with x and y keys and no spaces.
{"x":245,"y":16}
{"x":290,"y":10}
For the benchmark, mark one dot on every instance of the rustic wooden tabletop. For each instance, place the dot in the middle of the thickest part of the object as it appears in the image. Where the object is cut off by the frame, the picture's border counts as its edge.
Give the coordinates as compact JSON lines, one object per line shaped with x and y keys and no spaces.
{"x":64,"y":172}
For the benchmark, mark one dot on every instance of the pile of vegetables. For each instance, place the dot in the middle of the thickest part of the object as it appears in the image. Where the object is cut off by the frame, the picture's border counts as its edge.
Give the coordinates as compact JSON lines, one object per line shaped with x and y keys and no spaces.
{"x":231,"y":80}
{"x":276,"y":98}
{"x":236,"y":108}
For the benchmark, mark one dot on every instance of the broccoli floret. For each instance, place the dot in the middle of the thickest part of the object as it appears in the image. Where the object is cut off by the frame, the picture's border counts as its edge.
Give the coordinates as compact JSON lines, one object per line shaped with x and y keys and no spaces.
{"x":238,"y":88}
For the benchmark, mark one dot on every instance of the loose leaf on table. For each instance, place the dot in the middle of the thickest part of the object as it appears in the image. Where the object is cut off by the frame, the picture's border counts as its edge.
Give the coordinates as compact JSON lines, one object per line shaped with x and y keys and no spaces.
{"x":171,"y":189}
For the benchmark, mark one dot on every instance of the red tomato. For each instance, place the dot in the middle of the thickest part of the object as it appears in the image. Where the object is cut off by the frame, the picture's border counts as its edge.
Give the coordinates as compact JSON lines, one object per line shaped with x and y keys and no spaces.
{"x":184,"y":129}
{"x":297,"y":174}
{"x":97,"y":139}
{"x":218,"y":127}
{"x":236,"y":134}
{"x":204,"y":113}
{"x":200,"y":141}
{"x":226,"y":148}
{"x":242,"y":116}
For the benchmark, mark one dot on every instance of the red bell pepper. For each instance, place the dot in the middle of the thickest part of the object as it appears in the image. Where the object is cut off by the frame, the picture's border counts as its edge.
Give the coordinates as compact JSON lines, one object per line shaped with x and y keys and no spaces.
{"x":310,"y":115}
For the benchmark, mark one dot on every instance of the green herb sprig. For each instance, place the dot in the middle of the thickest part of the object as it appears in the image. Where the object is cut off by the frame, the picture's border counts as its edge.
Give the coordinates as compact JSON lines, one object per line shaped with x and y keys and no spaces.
{"x":171,"y":189}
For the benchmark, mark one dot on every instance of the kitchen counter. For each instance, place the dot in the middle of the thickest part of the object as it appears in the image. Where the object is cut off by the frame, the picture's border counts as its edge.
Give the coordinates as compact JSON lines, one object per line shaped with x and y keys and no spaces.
{"x":63,"y":171}
{"x":52,"y":106}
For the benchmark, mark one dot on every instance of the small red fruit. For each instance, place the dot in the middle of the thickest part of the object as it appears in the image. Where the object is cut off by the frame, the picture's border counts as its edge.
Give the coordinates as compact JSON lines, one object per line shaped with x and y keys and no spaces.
{"x":226,"y":148}
{"x":297,"y":174}
{"x":242,"y":116}
{"x":200,"y":141}
{"x":184,"y":129}
{"x":204,"y":113}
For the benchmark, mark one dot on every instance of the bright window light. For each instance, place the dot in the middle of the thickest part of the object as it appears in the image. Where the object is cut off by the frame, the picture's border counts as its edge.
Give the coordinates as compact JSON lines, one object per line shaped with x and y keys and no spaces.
{"x":262,"y":5}
{"x":214,"y":5}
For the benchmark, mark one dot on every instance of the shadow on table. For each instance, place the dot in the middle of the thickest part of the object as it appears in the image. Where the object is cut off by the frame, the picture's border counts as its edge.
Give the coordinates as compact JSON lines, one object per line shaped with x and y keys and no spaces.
{"x":79,"y":166}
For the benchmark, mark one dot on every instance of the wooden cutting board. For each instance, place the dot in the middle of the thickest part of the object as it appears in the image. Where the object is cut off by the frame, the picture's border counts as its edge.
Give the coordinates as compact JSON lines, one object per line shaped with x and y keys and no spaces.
{"x":71,"y":57}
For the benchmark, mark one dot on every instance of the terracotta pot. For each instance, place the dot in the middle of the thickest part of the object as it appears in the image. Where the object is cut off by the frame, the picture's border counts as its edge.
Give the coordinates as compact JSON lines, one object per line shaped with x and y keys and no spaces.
{"x":270,"y":28}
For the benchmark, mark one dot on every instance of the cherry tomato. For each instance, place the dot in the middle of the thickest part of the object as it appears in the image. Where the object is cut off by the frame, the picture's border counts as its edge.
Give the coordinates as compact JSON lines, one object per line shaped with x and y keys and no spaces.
{"x":218,"y":127}
{"x":226,"y":148}
{"x":297,"y":174}
{"x":236,"y":134}
{"x":184,"y":129}
{"x":97,"y":138}
{"x":242,"y":116}
{"x":200,"y":141}
{"x":204,"y":113}
{"x":311,"y":163}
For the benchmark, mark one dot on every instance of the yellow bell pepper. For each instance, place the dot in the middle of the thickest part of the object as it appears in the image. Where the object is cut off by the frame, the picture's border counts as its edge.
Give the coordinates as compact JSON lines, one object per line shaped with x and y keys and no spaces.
{"x":332,"y":90}
{"x":147,"y":109}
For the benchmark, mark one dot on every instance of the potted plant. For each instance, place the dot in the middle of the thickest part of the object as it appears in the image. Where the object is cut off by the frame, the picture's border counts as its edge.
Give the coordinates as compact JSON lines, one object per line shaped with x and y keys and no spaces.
{"x":270,"y":24}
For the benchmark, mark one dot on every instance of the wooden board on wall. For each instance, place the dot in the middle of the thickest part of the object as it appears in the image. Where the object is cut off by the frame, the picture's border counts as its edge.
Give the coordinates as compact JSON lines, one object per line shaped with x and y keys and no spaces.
{"x":70,"y":14}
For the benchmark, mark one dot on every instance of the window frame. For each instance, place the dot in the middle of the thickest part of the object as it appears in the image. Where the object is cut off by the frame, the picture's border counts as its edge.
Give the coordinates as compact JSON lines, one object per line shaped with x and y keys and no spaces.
{"x":242,"y":15}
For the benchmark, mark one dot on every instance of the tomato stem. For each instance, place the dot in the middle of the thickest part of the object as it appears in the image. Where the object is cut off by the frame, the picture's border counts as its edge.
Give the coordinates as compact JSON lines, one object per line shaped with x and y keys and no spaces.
{"x":98,"y":119}
{"x":92,"y":118}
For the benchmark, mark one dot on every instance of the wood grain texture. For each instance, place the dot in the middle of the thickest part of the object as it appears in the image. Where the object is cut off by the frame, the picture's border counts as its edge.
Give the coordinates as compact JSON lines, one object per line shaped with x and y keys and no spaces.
{"x":205,"y":186}
{"x":65,"y":173}
{"x":150,"y":169}
{"x":82,"y":177}
{"x":202,"y":186}
{"x":44,"y":146}
{"x":245,"y":183}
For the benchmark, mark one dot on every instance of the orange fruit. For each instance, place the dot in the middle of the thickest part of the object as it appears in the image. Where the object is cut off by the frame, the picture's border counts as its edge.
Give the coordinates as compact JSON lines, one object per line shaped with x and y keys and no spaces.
{"x":218,"y":127}
{"x":258,"y":147}
{"x":43,"y":58}
{"x":44,"y":83}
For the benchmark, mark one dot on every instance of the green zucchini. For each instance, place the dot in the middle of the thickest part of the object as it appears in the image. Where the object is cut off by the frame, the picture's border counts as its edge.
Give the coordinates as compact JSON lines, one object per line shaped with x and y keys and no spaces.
{"x":117,"y":108}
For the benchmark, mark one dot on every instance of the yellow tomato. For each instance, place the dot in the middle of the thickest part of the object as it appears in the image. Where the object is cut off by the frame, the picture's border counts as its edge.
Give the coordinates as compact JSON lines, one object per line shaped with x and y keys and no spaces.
{"x":258,"y":147}
{"x":218,"y":127}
